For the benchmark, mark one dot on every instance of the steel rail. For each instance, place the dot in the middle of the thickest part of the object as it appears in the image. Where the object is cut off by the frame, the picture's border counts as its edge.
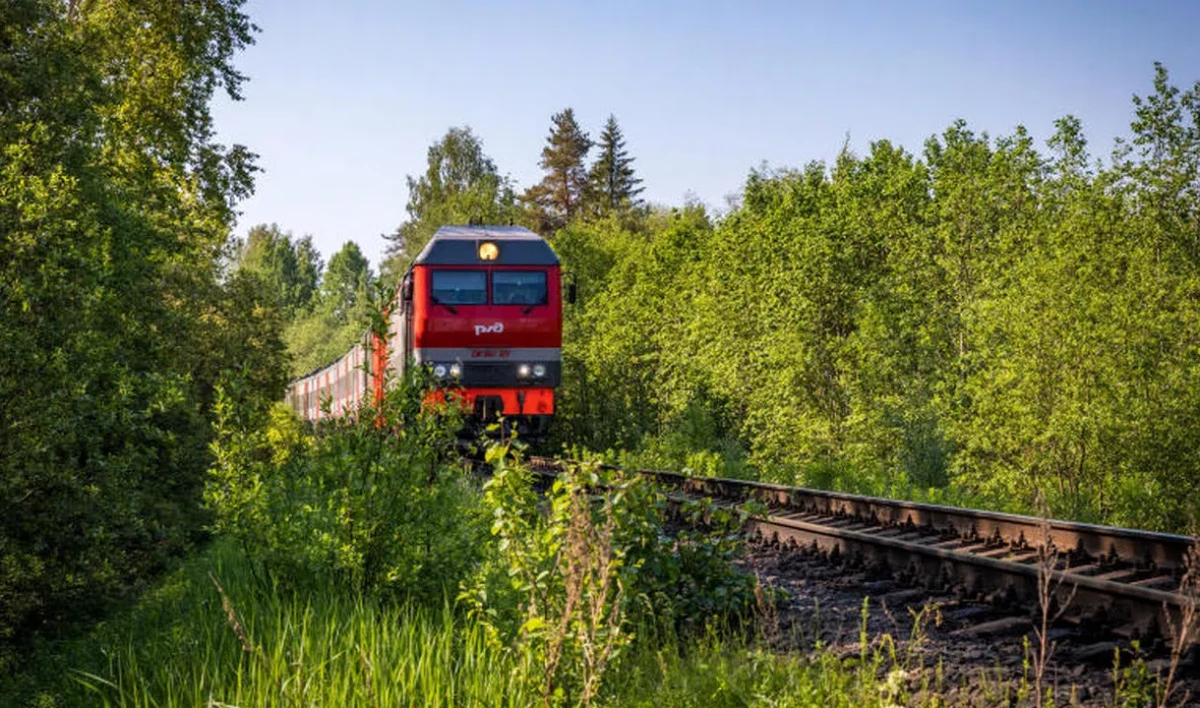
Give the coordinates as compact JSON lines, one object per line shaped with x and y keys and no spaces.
{"x":1123,"y":580}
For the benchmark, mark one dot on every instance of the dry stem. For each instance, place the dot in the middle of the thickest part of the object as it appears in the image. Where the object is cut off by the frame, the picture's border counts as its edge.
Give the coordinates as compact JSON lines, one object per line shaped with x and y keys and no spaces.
{"x":1047,"y":590}
{"x":1184,"y":632}
{"x":232,"y":618}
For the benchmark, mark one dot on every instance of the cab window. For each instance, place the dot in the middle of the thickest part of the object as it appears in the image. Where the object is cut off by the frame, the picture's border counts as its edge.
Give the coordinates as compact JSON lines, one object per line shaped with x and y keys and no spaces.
{"x":519,"y":287}
{"x":459,"y":287}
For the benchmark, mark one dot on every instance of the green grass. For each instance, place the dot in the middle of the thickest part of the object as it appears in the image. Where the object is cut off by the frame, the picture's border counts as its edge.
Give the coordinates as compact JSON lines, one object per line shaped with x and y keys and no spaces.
{"x":180,"y":646}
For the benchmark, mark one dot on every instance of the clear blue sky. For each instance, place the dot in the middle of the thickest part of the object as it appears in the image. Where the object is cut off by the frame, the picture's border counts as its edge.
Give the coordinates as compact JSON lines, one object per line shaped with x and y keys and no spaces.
{"x":345,"y":98}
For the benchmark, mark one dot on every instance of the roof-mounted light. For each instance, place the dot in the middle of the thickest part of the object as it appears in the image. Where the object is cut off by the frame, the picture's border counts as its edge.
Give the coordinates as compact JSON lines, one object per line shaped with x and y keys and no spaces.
{"x":488,"y":251}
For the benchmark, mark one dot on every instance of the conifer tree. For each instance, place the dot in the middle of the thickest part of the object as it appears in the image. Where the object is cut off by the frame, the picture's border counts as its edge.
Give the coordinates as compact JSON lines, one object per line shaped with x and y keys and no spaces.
{"x":611,"y":182}
{"x":559,"y":196}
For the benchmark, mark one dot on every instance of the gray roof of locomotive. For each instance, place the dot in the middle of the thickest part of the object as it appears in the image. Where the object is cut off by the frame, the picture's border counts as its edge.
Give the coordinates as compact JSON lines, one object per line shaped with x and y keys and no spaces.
{"x":459,"y":245}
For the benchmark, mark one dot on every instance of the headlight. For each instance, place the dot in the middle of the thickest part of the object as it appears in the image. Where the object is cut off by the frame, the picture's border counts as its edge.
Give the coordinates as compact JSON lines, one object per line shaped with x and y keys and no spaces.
{"x":523,"y":371}
{"x":455,"y":370}
{"x":439,"y":370}
{"x":539,"y":370}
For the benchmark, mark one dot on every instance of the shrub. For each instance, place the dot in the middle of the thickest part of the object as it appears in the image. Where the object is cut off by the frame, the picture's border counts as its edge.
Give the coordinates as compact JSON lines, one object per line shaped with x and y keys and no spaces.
{"x":569,"y":579}
{"x":374,"y":501}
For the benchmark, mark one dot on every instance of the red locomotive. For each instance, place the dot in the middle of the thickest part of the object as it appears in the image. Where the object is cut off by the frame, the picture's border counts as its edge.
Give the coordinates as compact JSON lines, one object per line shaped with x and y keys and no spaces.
{"x":481,"y":306}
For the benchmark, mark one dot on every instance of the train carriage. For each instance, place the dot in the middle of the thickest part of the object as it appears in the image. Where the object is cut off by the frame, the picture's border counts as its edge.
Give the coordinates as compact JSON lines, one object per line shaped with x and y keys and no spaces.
{"x":344,"y":383}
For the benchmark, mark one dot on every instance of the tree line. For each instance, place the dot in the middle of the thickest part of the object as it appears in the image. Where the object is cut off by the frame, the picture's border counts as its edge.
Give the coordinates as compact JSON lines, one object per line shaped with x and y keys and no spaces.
{"x":325,"y":307}
{"x":984,"y":323}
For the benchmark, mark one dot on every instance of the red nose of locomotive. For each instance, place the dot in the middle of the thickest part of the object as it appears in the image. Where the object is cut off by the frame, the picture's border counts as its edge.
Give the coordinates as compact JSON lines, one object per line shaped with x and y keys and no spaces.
{"x":486,"y":316}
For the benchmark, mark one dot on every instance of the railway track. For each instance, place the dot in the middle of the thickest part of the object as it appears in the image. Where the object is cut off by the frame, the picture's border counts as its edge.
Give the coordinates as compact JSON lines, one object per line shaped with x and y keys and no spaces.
{"x":1107,"y":580}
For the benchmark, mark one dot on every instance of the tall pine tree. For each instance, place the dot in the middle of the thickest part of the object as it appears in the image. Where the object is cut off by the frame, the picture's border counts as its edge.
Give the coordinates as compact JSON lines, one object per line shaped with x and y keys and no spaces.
{"x":559,"y":197}
{"x":613,"y":188}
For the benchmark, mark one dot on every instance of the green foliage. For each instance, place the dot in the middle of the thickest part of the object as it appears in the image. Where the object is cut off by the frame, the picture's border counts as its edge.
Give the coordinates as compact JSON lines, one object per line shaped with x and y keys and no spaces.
{"x":460,"y":185}
{"x":571,"y":578}
{"x":115,"y":204}
{"x":372,"y":502}
{"x":210,"y":634}
{"x":977,"y":325}
{"x":326,"y":309}
{"x":319,"y":338}
{"x":615,"y":336}
{"x":346,"y":281}
{"x":290,"y":270}
{"x":348,"y":297}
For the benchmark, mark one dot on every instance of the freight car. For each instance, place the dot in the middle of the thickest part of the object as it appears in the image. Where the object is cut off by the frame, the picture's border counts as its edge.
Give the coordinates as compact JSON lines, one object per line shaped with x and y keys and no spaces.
{"x":481,"y":307}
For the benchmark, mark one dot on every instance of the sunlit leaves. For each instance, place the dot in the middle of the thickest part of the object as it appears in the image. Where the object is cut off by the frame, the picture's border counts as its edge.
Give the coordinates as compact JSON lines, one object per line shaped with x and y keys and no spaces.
{"x":115,"y":201}
{"x":984,"y":322}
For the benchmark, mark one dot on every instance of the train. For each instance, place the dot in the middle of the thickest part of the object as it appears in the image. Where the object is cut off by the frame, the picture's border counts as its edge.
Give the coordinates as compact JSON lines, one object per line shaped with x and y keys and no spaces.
{"x":481,"y":307}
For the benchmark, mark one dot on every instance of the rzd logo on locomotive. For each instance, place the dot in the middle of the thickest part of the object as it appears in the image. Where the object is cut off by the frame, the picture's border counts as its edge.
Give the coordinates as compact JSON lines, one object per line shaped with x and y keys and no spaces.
{"x":487,"y":329}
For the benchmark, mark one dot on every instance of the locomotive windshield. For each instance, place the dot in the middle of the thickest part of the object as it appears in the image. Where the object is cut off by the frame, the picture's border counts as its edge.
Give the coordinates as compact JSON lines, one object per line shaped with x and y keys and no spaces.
{"x":459,"y":287}
{"x":519,"y":287}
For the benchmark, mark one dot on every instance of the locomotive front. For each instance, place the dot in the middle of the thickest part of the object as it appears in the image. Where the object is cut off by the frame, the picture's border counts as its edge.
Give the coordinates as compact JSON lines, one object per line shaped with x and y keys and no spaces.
{"x":483,"y":310}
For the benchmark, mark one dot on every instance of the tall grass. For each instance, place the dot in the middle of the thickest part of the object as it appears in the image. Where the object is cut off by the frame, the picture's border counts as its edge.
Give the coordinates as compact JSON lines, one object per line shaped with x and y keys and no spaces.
{"x":211,"y":635}
{"x":192,"y":643}
{"x":187,"y":645}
